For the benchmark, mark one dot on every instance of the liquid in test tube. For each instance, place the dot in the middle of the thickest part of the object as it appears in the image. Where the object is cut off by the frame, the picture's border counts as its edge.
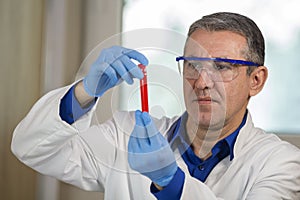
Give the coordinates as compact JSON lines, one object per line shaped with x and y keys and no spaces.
{"x":144,"y":89}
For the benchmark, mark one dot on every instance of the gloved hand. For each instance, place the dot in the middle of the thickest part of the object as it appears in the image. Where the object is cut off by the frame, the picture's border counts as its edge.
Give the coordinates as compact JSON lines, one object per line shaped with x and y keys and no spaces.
{"x":112,"y":67}
{"x":149,"y":152}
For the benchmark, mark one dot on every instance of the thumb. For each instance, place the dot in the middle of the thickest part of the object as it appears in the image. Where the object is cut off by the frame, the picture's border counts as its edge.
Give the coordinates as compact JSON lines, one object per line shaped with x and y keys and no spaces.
{"x":151,"y":129}
{"x":146,"y":118}
{"x":139,"y":130}
{"x":138,"y":118}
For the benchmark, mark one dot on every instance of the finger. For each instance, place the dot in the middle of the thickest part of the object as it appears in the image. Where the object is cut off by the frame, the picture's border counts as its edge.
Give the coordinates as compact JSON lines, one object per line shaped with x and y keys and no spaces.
{"x":111,"y":75}
{"x":159,"y":141}
{"x":121,"y":70}
{"x":132,"y":68}
{"x":136,"y":56}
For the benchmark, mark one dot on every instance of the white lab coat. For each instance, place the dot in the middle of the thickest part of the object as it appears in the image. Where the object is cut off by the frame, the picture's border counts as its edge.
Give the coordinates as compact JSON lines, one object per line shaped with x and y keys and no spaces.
{"x":94,"y":157}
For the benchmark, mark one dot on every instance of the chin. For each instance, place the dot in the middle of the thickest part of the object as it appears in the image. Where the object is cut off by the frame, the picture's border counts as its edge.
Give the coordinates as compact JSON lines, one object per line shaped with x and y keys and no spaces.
{"x":211,"y":117}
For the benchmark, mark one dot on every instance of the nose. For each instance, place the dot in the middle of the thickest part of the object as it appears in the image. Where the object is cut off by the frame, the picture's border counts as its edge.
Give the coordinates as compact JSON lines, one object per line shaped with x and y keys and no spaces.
{"x":204,"y":80}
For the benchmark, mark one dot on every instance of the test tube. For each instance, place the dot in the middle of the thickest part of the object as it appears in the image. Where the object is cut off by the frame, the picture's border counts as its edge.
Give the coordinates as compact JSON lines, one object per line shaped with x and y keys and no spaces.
{"x":144,"y":89}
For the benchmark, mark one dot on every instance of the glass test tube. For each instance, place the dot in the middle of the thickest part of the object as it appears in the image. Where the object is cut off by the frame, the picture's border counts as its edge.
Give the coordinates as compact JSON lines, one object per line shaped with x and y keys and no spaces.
{"x":144,"y":89}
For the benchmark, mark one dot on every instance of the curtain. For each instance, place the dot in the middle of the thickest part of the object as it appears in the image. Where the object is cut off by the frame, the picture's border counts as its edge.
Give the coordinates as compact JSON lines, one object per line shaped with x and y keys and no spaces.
{"x":42,"y":45}
{"x":20,"y":66}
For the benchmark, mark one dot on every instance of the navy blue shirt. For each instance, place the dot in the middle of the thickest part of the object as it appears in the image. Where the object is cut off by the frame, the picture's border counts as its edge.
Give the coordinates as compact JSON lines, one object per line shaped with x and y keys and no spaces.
{"x":70,"y":111}
{"x":198,"y":168}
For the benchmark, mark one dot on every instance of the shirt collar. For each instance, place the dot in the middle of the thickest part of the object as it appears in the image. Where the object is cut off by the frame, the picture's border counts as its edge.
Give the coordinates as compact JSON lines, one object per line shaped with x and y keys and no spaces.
{"x":177,"y":136}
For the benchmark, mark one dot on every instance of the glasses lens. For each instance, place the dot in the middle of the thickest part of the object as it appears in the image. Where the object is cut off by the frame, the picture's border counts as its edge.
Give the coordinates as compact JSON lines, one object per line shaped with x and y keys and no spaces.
{"x":191,"y":69}
{"x":217,"y":71}
{"x":224,"y":71}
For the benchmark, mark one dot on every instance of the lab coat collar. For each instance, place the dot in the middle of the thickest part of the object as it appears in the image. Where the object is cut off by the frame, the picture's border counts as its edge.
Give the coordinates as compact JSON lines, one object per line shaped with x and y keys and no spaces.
{"x":244,"y":135}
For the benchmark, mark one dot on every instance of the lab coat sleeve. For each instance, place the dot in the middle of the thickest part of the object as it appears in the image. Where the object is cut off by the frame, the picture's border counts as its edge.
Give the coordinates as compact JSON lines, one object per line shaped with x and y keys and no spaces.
{"x":45,"y":142}
{"x":70,"y":109}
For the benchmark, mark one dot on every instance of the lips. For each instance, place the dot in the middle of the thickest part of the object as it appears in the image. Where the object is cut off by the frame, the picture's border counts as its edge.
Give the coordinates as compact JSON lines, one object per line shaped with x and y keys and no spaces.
{"x":204,"y":100}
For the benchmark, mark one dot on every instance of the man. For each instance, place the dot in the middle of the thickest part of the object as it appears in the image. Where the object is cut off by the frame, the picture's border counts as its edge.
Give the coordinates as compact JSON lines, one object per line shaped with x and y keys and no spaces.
{"x":213,"y":151}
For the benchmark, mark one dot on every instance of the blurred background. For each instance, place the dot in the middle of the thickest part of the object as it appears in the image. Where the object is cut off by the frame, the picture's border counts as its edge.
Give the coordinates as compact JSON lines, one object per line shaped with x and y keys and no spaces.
{"x":44,"y":42}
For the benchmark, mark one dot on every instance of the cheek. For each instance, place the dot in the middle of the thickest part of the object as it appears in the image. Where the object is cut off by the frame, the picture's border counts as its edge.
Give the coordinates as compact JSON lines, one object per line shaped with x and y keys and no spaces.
{"x":189,"y":96}
{"x":188,"y":89}
{"x":236,"y":94}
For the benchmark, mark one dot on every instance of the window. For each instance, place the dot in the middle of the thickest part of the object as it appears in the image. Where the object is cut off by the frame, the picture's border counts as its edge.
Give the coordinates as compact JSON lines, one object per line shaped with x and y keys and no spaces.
{"x":276,"y":108}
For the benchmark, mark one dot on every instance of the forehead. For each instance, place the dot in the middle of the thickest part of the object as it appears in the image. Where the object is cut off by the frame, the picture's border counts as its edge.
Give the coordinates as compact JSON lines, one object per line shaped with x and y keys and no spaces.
{"x":224,"y":44}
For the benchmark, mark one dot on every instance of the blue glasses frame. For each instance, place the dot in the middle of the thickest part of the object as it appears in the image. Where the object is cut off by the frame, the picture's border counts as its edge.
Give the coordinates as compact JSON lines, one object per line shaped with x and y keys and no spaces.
{"x":231,"y":61}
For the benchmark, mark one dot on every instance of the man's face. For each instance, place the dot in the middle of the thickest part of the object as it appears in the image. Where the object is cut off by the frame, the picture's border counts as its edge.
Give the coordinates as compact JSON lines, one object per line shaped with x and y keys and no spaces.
{"x":214,"y":104}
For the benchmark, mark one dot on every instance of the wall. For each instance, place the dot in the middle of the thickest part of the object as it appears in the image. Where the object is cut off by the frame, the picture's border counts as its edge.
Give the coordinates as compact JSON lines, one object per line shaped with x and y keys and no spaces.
{"x":20,"y":61}
{"x":42,"y":45}
{"x":100,"y":20}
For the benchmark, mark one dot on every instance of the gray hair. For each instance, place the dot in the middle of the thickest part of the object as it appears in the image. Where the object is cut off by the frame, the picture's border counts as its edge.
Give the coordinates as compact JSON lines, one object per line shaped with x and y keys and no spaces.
{"x":226,"y":21}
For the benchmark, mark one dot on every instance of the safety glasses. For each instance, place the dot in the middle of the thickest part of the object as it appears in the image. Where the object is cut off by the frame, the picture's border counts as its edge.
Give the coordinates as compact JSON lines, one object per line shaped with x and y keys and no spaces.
{"x":218,"y":69}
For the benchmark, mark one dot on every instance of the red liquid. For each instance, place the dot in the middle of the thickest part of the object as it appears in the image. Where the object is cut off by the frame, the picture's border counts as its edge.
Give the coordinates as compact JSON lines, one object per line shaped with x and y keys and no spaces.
{"x":144,"y":89}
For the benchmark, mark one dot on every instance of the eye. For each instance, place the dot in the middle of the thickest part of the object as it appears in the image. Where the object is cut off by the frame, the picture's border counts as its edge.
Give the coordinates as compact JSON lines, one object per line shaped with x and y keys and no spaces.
{"x":221,"y":66}
{"x":191,"y":66}
{"x":196,"y":65}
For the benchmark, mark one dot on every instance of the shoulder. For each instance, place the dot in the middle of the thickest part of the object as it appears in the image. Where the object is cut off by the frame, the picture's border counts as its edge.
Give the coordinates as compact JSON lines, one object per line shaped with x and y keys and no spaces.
{"x":253,"y":138}
{"x":266,"y":151}
{"x":259,"y":142}
{"x":276,"y":162}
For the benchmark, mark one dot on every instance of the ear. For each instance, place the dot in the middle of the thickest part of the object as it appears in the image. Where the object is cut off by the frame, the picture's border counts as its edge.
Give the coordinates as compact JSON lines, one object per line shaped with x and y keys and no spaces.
{"x":257,"y":80}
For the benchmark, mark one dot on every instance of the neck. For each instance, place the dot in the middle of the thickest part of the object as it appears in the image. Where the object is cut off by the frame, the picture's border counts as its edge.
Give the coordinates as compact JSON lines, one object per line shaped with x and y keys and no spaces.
{"x":203,"y":139}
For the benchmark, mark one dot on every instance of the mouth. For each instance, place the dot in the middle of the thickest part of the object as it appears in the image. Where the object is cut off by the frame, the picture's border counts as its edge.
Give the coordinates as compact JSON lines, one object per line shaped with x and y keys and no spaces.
{"x":204,"y":100}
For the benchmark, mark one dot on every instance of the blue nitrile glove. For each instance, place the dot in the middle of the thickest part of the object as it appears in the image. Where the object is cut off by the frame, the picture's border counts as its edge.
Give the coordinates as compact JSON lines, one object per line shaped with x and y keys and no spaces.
{"x":112,"y":67}
{"x":149,"y":152}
